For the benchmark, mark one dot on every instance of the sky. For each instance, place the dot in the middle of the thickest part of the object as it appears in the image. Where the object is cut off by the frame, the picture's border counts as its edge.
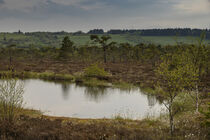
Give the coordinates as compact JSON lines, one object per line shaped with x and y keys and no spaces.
{"x":75,"y":15}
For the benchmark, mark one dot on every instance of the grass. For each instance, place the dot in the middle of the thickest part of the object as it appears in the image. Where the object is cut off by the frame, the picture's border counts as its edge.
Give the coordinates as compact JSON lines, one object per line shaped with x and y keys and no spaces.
{"x":187,"y":124}
{"x":123,"y":85}
{"x":34,"y":75}
{"x":125,"y":115}
{"x":95,"y":82}
{"x":53,"y":76}
{"x":31,"y":112}
{"x":91,"y":80}
{"x":171,"y":40}
{"x":33,"y":125}
{"x":42,"y":40}
{"x":95,"y":71}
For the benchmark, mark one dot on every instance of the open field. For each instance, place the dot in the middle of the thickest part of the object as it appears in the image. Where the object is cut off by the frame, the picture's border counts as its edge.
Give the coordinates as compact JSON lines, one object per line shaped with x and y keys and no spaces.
{"x":52,"y":40}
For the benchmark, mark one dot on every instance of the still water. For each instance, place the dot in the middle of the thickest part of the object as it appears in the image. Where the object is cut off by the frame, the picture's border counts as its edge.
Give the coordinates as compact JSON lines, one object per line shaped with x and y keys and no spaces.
{"x":71,"y":100}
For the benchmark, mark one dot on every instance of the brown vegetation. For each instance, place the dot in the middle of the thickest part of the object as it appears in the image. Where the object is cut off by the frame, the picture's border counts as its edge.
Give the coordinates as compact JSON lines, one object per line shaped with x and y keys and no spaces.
{"x":54,"y":128}
{"x":131,"y":72}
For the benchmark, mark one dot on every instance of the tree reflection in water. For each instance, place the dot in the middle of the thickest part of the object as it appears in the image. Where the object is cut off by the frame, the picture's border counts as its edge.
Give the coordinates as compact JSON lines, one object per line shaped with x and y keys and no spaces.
{"x":151,"y":100}
{"x":65,"y":90}
{"x":96,"y":93}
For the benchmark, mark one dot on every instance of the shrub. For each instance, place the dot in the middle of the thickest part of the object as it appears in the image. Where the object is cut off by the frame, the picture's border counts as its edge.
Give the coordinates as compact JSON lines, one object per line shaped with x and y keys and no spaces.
{"x":183,"y":103}
{"x":95,"y":71}
{"x":11,"y":99}
{"x":95,"y":82}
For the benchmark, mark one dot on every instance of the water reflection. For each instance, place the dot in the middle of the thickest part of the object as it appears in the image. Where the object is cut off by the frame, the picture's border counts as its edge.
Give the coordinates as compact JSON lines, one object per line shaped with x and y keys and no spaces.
{"x":151,"y":100}
{"x":86,"y":102}
{"x":96,"y":93}
{"x":65,"y":90}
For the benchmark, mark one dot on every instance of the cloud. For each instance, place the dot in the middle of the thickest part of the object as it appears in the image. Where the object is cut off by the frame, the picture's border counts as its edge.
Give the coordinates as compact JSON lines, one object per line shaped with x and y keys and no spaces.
{"x":37,"y":9}
{"x":82,"y":8}
{"x":87,"y":14}
{"x":193,"y":6}
{"x":1,"y":2}
{"x":20,"y":5}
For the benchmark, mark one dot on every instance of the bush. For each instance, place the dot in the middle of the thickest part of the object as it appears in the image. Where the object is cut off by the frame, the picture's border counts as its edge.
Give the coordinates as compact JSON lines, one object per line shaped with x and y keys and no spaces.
{"x":11,"y":99}
{"x":95,"y":71}
{"x":183,"y":103}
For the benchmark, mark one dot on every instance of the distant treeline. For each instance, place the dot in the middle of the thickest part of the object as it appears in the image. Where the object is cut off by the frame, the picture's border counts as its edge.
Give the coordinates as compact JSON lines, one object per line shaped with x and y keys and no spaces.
{"x":142,"y":32}
{"x":156,"y":32}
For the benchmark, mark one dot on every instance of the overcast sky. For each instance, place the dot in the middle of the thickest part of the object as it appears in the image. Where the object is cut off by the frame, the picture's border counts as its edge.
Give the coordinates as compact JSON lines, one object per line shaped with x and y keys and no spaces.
{"x":74,"y":15}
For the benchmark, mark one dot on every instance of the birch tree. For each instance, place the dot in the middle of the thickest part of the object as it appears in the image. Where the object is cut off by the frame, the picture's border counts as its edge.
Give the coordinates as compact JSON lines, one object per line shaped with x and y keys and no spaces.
{"x":175,"y":73}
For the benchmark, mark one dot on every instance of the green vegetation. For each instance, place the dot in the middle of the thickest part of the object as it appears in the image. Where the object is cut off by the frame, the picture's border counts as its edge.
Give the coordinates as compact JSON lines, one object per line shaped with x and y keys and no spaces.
{"x":207,"y":115}
{"x":53,"y":40}
{"x":45,"y":75}
{"x":55,"y":77}
{"x":171,"y":40}
{"x":103,"y":41}
{"x":94,"y":76}
{"x":95,"y":71}
{"x":67,"y":47}
{"x":124,"y":85}
{"x":11,"y":99}
{"x":177,"y":74}
{"x":95,"y":82}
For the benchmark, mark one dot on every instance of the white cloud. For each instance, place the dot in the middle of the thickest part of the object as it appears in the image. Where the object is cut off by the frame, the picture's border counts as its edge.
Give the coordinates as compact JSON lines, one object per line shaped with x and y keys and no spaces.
{"x":193,"y":6}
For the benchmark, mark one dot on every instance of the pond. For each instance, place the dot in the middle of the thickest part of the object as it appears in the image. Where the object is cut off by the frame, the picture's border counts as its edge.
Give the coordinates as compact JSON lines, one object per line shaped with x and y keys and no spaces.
{"x":71,"y":100}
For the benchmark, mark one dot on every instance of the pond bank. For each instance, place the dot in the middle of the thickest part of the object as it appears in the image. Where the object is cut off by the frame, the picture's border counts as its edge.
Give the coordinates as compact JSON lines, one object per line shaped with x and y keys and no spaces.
{"x":136,"y":73}
{"x":34,"y":125}
{"x":68,"y":78}
{"x":41,"y":127}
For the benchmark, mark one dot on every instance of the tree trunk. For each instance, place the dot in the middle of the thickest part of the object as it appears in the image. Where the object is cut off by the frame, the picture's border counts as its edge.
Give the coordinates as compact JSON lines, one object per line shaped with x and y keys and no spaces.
{"x":104,"y":47}
{"x":197,"y":99}
{"x":171,"y":119}
{"x":10,"y":62}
